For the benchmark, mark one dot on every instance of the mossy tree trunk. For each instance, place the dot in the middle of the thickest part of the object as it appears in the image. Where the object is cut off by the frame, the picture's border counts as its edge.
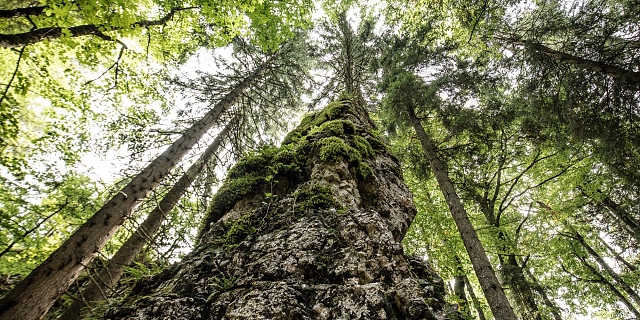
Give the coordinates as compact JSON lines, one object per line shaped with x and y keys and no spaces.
{"x":310,"y":230}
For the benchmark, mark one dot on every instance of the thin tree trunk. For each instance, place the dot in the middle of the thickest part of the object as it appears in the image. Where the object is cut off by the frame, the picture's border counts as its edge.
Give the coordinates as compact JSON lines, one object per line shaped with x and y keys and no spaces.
{"x":591,"y":65}
{"x":33,"y":296}
{"x":459,"y":288}
{"x":618,"y":257}
{"x":518,"y":286}
{"x":476,"y":302}
{"x":632,"y":225}
{"x":108,"y":276}
{"x":555,"y":310}
{"x":613,"y":289}
{"x":512,"y":274}
{"x":623,"y":284}
{"x":486,"y":275}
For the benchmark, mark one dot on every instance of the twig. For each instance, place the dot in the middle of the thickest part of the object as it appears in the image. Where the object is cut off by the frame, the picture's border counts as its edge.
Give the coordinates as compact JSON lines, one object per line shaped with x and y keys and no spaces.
{"x":13,"y":76}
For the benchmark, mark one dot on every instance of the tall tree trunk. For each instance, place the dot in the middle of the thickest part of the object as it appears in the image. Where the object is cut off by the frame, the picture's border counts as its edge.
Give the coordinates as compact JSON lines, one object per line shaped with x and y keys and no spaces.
{"x":101,"y":284}
{"x":486,"y":275}
{"x":33,"y":296}
{"x":310,"y":230}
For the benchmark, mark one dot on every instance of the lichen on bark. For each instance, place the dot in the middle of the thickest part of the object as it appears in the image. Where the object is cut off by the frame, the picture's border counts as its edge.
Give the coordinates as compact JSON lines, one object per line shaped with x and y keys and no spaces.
{"x":311,"y":231}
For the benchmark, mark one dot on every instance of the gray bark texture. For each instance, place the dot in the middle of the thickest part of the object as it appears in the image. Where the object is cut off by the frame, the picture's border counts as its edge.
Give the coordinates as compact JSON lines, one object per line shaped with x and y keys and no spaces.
{"x":310,"y":230}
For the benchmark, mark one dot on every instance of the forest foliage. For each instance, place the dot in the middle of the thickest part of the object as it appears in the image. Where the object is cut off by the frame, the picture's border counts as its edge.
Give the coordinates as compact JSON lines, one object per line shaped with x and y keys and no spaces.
{"x":533,"y":107}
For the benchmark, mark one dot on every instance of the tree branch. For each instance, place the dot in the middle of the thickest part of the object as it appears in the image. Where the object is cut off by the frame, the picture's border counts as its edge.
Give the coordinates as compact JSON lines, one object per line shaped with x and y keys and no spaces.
{"x":22,"y":12}
{"x":37,"y":35}
{"x":13,"y":76}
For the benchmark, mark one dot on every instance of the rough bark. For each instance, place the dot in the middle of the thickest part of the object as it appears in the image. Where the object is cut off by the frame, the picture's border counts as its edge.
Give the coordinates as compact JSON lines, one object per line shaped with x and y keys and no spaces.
{"x":40,"y":34}
{"x":310,"y":230}
{"x":103,"y":282}
{"x":484,"y":271}
{"x":33,"y":296}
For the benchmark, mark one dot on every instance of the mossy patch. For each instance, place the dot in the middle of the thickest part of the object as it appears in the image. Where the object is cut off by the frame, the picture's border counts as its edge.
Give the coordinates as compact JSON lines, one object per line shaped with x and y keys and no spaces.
{"x":237,"y":230}
{"x":364,"y":169}
{"x":333,"y":111}
{"x":316,"y":197}
{"x":363,"y":146}
{"x":257,"y":173}
{"x":338,"y":127}
{"x":334,"y":148}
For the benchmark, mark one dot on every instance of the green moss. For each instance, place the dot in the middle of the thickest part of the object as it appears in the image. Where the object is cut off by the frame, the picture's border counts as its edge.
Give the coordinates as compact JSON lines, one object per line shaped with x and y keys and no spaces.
{"x":338,"y":127}
{"x":253,"y":162}
{"x":334,"y":148}
{"x":363,"y":146}
{"x":237,"y":230}
{"x":364,"y":169}
{"x":316,"y":197}
{"x":333,"y":111}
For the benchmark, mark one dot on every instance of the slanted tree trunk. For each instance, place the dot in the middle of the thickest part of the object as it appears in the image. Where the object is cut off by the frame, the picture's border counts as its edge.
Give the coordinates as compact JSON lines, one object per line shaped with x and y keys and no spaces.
{"x":521,"y":291}
{"x":34,"y":295}
{"x":538,"y":288}
{"x":476,"y":302}
{"x":628,"y":222}
{"x":486,"y":275}
{"x":310,"y":230}
{"x":611,"y":286}
{"x":630,"y":76}
{"x":618,"y":279}
{"x":512,"y":274}
{"x":103,"y":282}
